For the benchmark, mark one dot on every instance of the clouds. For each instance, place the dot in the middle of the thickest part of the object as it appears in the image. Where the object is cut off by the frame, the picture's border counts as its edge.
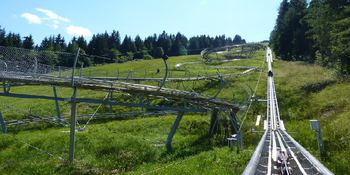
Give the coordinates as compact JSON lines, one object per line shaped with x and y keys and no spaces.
{"x":54,"y":21}
{"x":54,"y":26}
{"x":52,"y":15}
{"x":79,"y":31}
{"x":32,"y":19}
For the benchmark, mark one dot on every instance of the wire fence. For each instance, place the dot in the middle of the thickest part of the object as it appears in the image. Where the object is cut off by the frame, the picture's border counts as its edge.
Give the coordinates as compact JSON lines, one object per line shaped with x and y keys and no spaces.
{"x":36,"y":62}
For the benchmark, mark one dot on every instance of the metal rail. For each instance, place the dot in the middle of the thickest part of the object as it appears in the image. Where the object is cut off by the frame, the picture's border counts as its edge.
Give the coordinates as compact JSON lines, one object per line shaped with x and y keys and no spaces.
{"x":122,"y":114}
{"x":247,"y":50}
{"x":277,"y":151}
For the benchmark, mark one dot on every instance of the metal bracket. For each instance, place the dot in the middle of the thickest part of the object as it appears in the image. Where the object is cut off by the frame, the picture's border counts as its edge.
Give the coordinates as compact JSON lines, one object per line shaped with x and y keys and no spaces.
{"x":251,"y":130}
{"x":294,"y":132}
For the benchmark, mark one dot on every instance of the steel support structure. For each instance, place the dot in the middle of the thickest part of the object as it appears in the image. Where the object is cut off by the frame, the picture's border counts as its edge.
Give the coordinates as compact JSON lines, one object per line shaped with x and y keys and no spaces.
{"x":215,"y":118}
{"x":173,"y":130}
{"x":73,"y":113}
{"x":72,"y":125}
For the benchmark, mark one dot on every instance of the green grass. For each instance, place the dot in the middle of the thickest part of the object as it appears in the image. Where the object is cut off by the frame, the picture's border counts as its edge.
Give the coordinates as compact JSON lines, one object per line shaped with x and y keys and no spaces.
{"x":328,"y":103}
{"x":136,"y":145}
{"x":99,"y":150}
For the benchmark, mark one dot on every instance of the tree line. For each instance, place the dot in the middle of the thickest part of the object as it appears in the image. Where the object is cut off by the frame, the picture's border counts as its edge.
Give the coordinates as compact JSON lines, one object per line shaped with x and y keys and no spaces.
{"x":111,"y":46}
{"x":316,"y":32}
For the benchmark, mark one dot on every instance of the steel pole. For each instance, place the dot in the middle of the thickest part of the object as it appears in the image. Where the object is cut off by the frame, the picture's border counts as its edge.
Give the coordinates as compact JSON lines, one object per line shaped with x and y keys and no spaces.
{"x":111,"y":99}
{"x":74,"y":65}
{"x":72,"y":126}
{"x":57,"y":106}
{"x":173,"y":130}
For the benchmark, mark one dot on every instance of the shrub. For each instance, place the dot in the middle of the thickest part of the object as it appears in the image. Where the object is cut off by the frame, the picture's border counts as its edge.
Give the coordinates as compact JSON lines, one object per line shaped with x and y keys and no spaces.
{"x":147,"y":57}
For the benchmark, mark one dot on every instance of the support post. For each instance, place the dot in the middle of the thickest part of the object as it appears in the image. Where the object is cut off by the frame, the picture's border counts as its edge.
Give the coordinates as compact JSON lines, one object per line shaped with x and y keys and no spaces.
{"x":81,"y":68}
{"x":173,"y":130}
{"x":214,"y":116}
{"x":127,"y":78}
{"x":3,"y":84}
{"x":3,"y":127}
{"x":57,"y":106}
{"x":132,"y":101}
{"x":240,"y":140}
{"x":72,"y":126}
{"x":315,"y":125}
{"x":74,"y":65}
{"x":111,"y":99}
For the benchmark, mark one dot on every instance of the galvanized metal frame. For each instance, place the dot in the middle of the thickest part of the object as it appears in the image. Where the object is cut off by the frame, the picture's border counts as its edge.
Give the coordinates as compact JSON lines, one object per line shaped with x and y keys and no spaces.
{"x":198,"y":100}
{"x":173,"y":130}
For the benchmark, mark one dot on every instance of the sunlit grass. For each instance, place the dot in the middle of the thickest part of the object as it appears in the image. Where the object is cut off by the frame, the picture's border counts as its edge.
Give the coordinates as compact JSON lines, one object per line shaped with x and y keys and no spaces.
{"x":136,"y":145}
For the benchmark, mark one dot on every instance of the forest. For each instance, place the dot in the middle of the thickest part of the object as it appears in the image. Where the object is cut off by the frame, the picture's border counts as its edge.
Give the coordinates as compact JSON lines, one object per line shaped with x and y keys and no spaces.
{"x":316,"y":32}
{"x":111,"y":46}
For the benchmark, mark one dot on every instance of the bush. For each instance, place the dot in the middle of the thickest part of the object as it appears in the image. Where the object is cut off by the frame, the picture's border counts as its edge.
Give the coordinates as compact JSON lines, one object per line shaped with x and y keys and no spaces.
{"x":147,"y":57}
{"x":316,"y":87}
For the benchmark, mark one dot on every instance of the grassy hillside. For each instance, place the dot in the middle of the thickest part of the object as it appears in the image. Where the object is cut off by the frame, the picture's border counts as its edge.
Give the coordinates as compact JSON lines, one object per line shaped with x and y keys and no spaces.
{"x":309,"y":92}
{"x":136,"y":145}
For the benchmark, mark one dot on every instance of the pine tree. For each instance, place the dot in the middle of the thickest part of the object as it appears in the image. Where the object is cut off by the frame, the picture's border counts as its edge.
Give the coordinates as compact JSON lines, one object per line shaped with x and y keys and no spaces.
{"x":28,"y":42}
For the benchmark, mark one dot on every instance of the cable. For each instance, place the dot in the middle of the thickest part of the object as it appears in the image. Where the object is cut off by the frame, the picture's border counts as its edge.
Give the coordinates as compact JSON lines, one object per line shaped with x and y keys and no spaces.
{"x":32,"y":146}
{"x":252,"y":101}
{"x":92,"y":116}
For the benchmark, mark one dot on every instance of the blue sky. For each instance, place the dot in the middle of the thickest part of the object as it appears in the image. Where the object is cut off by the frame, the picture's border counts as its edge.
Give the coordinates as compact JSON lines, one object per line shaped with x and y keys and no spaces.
{"x":251,"y":19}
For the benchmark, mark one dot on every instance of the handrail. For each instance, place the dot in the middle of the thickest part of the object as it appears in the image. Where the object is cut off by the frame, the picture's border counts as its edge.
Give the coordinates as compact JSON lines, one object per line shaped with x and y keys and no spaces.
{"x":253,"y":163}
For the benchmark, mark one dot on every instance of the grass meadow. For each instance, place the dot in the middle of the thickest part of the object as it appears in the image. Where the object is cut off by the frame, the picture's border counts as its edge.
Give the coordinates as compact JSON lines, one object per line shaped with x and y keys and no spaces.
{"x":135,"y":145}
